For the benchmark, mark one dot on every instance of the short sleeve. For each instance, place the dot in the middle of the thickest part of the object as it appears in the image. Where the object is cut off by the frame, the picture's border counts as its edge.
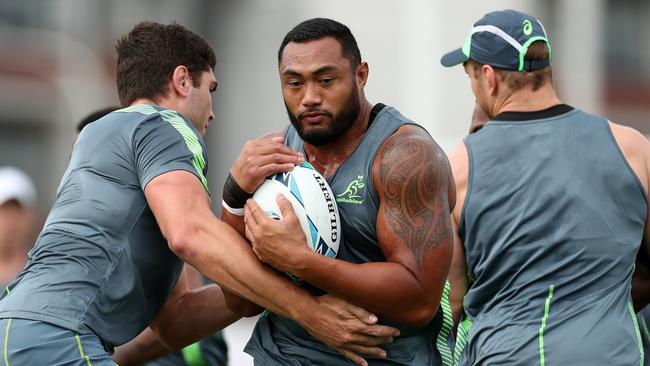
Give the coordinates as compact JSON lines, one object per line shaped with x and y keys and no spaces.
{"x":164,"y":143}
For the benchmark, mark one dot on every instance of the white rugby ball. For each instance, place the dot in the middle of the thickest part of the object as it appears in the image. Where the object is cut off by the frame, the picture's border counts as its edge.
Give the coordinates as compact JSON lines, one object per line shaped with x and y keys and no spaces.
{"x":313,"y":202}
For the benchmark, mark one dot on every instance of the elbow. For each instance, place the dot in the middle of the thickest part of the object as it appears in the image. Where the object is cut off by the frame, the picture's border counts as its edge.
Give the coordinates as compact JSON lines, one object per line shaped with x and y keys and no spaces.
{"x":420,"y":316}
{"x":180,"y":241}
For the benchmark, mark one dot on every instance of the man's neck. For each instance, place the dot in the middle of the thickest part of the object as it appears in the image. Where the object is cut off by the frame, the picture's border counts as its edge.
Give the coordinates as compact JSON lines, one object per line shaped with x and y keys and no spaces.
{"x":167,"y":103}
{"x":527,"y":100}
{"x":328,"y":157}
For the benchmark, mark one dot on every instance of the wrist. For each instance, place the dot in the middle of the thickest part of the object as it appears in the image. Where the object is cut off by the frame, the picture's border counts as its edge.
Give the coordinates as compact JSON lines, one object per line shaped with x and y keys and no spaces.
{"x":300,"y":263}
{"x":234,"y":196}
{"x":302,"y":310}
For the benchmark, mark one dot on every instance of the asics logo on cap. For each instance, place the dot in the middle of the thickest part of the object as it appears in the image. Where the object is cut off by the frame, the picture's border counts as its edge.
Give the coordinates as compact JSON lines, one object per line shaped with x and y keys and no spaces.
{"x":528,"y":27}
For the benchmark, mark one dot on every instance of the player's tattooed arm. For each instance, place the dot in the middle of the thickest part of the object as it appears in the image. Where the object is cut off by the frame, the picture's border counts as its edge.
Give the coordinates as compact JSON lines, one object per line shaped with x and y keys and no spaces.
{"x":417,"y":191}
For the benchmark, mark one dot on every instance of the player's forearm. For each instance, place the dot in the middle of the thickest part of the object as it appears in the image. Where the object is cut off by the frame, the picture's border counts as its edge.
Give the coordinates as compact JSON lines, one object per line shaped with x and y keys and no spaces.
{"x":236,"y":222}
{"x":143,"y":348}
{"x":234,"y":302}
{"x":193,"y":316}
{"x":384,"y":288}
{"x":217,"y":251}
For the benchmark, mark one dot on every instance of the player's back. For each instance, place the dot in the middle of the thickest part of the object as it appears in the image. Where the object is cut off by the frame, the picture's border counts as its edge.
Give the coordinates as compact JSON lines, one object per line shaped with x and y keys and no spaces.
{"x":101,"y":261}
{"x":551,"y":225}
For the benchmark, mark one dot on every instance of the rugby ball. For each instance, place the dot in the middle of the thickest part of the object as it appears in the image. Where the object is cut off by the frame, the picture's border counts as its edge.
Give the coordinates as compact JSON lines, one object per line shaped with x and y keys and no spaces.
{"x":313,"y":202}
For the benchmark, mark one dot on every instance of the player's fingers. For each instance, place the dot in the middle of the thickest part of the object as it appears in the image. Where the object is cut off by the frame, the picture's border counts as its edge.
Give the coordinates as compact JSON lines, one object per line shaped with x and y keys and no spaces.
{"x":277,"y":139}
{"x":370,"y":341}
{"x":352,"y":357}
{"x":249,"y":234}
{"x":366,"y":350}
{"x":285,"y":206}
{"x":362,"y":314}
{"x":258,"y":161}
{"x":379,"y":330}
{"x":251,"y":215}
{"x":266,"y":147}
{"x":270,"y":169}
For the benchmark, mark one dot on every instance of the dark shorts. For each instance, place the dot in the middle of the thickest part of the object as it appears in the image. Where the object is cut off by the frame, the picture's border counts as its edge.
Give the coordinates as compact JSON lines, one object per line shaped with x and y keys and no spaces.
{"x":31,"y":342}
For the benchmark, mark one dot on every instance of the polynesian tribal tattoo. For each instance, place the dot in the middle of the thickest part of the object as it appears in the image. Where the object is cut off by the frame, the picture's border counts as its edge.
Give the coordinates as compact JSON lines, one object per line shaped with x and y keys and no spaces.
{"x":415,"y":175}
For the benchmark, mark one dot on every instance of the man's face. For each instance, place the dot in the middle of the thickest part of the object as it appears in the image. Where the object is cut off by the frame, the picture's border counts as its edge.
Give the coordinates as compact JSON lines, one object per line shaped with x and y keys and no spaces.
{"x":199,"y":102}
{"x":320,"y":91}
{"x":14,"y":227}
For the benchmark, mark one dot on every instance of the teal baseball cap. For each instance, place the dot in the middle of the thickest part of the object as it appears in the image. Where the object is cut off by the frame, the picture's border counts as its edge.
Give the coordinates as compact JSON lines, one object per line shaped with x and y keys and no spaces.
{"x":501,"y":39}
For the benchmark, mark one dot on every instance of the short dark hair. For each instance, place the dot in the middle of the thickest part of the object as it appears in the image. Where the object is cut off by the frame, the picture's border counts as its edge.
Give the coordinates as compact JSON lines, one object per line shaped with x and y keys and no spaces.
{"x":94,"y":116}
{"x":319,"y":28}
{"x":148,"y":55}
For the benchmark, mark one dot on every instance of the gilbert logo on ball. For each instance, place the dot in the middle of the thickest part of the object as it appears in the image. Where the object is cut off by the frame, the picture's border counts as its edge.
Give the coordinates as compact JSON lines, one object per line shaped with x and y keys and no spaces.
{"x":312,"y":201}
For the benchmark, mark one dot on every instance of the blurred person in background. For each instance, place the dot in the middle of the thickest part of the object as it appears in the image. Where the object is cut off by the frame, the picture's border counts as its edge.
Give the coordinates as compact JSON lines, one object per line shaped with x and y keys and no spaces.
{"x":90,"y":118}
{"x":146,"y":349}
{"x":19,"y":222}
{"x":479,"y":119}
{"x":131,"y":207}
{"x":551,"y":211}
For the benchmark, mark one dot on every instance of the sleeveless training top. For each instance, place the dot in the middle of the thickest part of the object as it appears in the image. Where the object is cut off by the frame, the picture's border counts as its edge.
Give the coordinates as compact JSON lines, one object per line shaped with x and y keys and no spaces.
{"x":280,"y":341}
{"x":551,"y":225}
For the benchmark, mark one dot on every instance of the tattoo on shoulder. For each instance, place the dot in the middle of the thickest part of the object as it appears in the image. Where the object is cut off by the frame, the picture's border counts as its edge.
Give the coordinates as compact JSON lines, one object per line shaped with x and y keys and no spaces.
{"x":415,"y":175}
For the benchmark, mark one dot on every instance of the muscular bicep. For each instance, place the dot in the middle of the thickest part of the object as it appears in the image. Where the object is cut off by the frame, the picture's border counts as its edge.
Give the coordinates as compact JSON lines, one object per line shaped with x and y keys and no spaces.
{"x":412,"y":178}
{"x":180,"y":204}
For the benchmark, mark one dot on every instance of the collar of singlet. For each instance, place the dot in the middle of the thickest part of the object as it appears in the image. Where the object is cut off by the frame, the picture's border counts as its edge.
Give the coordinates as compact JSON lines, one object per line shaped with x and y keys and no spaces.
{"x":374,"y":112}
{"x":554,"y":111}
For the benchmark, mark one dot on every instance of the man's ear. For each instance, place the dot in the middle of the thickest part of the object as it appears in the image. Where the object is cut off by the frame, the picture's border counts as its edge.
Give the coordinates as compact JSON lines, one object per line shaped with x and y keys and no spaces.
{"x":362,"y":74}
{"x":491,"y":78}
{"x":181,"y":80}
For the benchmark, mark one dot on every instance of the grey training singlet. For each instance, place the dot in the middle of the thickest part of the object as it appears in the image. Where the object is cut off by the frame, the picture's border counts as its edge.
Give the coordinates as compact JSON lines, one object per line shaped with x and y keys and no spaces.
{"x":101,"y":261}
{"x":280,"y":341}
{"x":551,"y":226}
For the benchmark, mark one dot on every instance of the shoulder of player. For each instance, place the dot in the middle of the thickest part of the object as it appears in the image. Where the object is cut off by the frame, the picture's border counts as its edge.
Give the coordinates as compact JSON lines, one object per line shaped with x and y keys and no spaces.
{"x":409,"y":150}
{"x":404,"y":140}
{"x":634,"y":146}
{"x":632,"y":143}
{"x":166,"y":127}
{"x":629,"y":137}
